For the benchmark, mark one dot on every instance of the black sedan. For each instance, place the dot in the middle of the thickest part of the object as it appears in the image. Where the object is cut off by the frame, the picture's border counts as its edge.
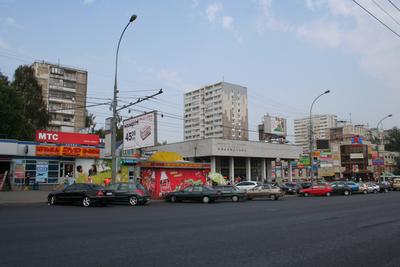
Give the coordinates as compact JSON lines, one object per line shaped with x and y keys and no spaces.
{"x":129,"y":193}
{"x":341,"y":188}
{"x":231,"y":192}
{"x":84,"y":194}
{"x":203,"y":193}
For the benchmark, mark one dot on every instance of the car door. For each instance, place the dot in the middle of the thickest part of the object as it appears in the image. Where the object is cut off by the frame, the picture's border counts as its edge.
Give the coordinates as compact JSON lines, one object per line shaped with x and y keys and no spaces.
{"x":122,"y":193}
{"x":266,"y":191}
{"x":66,"y":196}
{"x":80,"y":192}
{"x":197,"y":193}
{"x":315,"y":190}
{"x":186,"y":194}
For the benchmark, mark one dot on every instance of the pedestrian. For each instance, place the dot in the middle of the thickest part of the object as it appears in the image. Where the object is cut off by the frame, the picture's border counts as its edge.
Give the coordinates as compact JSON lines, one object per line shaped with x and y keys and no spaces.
{"x":27,"y":181}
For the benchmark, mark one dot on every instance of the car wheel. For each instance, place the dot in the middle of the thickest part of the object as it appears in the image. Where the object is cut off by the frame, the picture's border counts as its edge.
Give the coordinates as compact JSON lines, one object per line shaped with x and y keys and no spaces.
{"x":306,"y":194}
{"x":346,"y":192}
{"x":206,"y":199}
{"x":375,"y":191}
{"x":328,"y":194}
{"x":133,"y":201}
{"x":385,"y":190}
{"x":52,"y":200}
{"x":235,"y":199}
{"x":86,"y":202}
{"x":272,"y":197}
{"x":174,"y":199}
{"x":365,"y":192}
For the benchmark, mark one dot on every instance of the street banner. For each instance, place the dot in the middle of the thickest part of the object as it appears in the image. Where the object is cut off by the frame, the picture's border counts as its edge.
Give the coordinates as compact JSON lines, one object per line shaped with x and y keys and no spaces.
{"x":140,"y":131}
{"x":68,"y":151}
{"x":67,"y":138}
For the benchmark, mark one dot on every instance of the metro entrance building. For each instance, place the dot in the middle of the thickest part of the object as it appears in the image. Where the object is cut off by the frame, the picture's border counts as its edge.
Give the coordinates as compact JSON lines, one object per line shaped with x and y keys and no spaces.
{"x":249,"y":160}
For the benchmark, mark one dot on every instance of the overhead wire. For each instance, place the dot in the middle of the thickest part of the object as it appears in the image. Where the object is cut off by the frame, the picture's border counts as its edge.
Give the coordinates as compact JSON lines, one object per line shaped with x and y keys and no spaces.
{"x":387,"y":13}
{"x":384,"y":24}
{"x":395,"y":6}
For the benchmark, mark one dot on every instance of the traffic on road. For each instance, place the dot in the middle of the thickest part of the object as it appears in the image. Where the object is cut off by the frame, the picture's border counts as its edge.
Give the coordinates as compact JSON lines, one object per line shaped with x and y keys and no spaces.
{"x":132,"y":194}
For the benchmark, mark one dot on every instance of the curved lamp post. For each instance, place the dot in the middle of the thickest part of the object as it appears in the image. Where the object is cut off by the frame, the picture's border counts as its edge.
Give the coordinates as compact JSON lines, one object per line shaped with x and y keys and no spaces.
{"x":114,"y":107}
{"x":311,"y":133}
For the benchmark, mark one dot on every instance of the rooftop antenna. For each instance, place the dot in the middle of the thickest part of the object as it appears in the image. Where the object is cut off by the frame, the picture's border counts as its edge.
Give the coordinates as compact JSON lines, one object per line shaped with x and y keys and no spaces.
{"x":58,"y":60}
{"x":350,"y":119}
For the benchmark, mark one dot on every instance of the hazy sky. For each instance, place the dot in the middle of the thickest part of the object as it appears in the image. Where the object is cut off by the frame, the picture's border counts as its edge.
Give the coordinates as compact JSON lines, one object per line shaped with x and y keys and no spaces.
{"x":286,"y":52}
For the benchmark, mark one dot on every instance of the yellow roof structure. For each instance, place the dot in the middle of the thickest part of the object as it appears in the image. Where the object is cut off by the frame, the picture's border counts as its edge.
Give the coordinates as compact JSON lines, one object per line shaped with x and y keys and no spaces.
{"x":166,"y":156}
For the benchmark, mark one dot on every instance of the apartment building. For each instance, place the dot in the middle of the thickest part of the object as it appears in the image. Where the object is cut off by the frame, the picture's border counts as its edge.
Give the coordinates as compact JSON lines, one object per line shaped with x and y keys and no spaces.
{"x":64,"y":91}
{"x":320,"y":125}
{"x":216,"y":111}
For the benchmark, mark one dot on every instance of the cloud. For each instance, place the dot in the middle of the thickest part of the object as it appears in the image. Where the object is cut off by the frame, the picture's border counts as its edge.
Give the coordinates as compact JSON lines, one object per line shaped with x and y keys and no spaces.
{"x":227,"y":22}
{"x":11,"y":22}
{"x":212,"y":10}
{"x":88,"y":2}
{"x":3,"y":44}
{"x":340,"y":24}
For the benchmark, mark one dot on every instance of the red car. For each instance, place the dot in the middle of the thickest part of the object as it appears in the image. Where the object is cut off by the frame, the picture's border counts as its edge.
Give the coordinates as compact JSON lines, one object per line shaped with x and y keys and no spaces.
{"x":317,"y":190}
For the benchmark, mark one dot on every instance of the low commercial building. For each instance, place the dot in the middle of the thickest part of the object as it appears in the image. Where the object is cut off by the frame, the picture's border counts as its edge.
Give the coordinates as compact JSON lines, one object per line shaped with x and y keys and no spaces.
{"x":234,"y":158}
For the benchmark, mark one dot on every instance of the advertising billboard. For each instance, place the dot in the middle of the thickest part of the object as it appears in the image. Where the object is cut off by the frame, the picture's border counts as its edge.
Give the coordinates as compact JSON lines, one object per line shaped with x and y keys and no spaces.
{"x":140,"y":131}
{"x":274,"y":125}
{"x":67,"y":151}
{"x":67,"y":138}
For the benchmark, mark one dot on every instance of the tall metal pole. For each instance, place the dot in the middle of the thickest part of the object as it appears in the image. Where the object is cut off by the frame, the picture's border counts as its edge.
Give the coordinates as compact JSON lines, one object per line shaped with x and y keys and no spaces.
{"x":114,"y":108}
{"x":381,"y":136}
{"x":311,"y":140}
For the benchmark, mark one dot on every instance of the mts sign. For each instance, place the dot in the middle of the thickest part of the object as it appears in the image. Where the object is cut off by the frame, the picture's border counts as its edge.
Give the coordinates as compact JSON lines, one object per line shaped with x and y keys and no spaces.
{"x":48,"y":137}
{"x":67,"y":138}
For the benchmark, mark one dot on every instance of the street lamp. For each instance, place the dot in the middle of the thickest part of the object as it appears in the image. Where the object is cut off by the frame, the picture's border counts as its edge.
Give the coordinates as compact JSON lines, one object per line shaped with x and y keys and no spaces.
{"x":114,"y":107}
{"x":381,"y":136}
{"x":311,"y":133}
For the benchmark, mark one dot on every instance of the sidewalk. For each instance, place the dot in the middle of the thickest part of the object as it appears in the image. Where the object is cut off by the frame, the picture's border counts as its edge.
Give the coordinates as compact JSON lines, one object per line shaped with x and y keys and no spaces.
{"x":23,"y":197}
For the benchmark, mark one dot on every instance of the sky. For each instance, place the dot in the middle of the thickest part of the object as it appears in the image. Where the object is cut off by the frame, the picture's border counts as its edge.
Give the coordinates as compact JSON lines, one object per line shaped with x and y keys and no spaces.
{"x":286,"y":52}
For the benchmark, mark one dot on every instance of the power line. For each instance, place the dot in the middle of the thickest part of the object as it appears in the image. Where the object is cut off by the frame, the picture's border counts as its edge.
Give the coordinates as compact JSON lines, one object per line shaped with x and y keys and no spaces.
{"x":393,"y":4}
{"x":366,"y":10}
{"x":387,"y":13}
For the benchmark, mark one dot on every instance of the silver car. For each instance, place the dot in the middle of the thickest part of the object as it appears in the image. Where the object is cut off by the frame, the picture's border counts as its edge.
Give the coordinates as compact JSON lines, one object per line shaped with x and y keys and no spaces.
{"x":373,"y":188}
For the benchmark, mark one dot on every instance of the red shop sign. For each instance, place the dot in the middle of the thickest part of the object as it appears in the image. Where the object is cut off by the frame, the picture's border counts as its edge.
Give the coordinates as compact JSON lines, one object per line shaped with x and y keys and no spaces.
{"x":67,"y":138}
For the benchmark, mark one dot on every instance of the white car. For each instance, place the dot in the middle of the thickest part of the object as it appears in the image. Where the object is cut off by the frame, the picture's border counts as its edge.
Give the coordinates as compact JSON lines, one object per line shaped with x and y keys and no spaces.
{"x":373,"y":188}
{"x":246,"y":185}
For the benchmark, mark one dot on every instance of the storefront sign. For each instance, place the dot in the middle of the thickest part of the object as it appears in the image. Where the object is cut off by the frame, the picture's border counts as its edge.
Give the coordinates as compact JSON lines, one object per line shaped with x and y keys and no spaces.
{"x":67,"y":138}
{"x":67,"y":151}
{"x":378,"y":162}
{"x":356,"y":155}
{"x":42,"y":171}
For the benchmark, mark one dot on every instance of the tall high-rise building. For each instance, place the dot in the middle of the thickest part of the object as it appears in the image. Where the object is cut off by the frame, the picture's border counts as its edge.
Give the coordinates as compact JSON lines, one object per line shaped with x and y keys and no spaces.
{"x":320,"y":125}
{"x":64,"y":92}
{"x":216,"y":111}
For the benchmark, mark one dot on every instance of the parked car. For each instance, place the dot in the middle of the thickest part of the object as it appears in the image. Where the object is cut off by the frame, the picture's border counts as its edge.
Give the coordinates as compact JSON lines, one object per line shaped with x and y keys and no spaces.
{"x":231,"y":192}
{"x":384,"y":187}
{"x":362,"y":188}
{"x":265,"y":191}
{"x":396,"y":184}
{"x":354,"y":186}
{"x":129,"y":193}
{"x":317,"y":190}
{"x":84,"y":194}
{"x":373,"y":187}
{"x":246,"y":185}
{"x":203,"y":193}
{"x":306,"y":185}
{"x":289,"y":188}
{"x":341,"y":188}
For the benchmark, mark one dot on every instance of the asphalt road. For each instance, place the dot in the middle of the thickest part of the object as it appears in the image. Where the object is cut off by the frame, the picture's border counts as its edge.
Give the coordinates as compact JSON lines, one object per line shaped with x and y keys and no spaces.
{"x":360,"y":230}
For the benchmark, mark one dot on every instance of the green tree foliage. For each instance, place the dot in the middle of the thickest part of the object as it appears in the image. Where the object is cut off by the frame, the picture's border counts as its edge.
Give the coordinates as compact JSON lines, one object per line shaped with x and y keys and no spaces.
{"x":393,"y":144}
{"x":10,"y":106}
{"x":34,"y":110}
{"x":90,"y":121}
{"x":393,"y":140}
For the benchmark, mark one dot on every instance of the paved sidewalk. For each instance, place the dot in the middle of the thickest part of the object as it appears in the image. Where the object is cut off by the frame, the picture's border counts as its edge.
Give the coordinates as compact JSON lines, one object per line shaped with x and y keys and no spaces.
{"x":23,"y":197}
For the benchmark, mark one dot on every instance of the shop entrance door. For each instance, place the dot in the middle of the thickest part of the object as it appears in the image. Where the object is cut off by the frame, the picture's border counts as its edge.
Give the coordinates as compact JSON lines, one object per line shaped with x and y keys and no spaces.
{"x":67,"y":171}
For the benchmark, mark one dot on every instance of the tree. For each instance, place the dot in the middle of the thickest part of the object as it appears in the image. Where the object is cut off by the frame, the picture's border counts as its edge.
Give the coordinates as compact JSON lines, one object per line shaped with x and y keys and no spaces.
{"x":11,"y":104}
{"x":34,"y":111}
{"x":393,"y":144}
{"x":90,"y":121}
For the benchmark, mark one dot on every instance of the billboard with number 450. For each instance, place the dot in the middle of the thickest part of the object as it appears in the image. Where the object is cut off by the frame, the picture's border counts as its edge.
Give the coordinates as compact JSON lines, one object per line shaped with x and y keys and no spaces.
{"x":140,"y":131}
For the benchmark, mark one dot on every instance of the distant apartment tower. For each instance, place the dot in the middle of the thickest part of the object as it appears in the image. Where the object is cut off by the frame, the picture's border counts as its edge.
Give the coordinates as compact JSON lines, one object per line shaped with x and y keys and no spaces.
{"x":320,"y":125}
{"x":64,"y":92}
{"x":216,"y":111}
